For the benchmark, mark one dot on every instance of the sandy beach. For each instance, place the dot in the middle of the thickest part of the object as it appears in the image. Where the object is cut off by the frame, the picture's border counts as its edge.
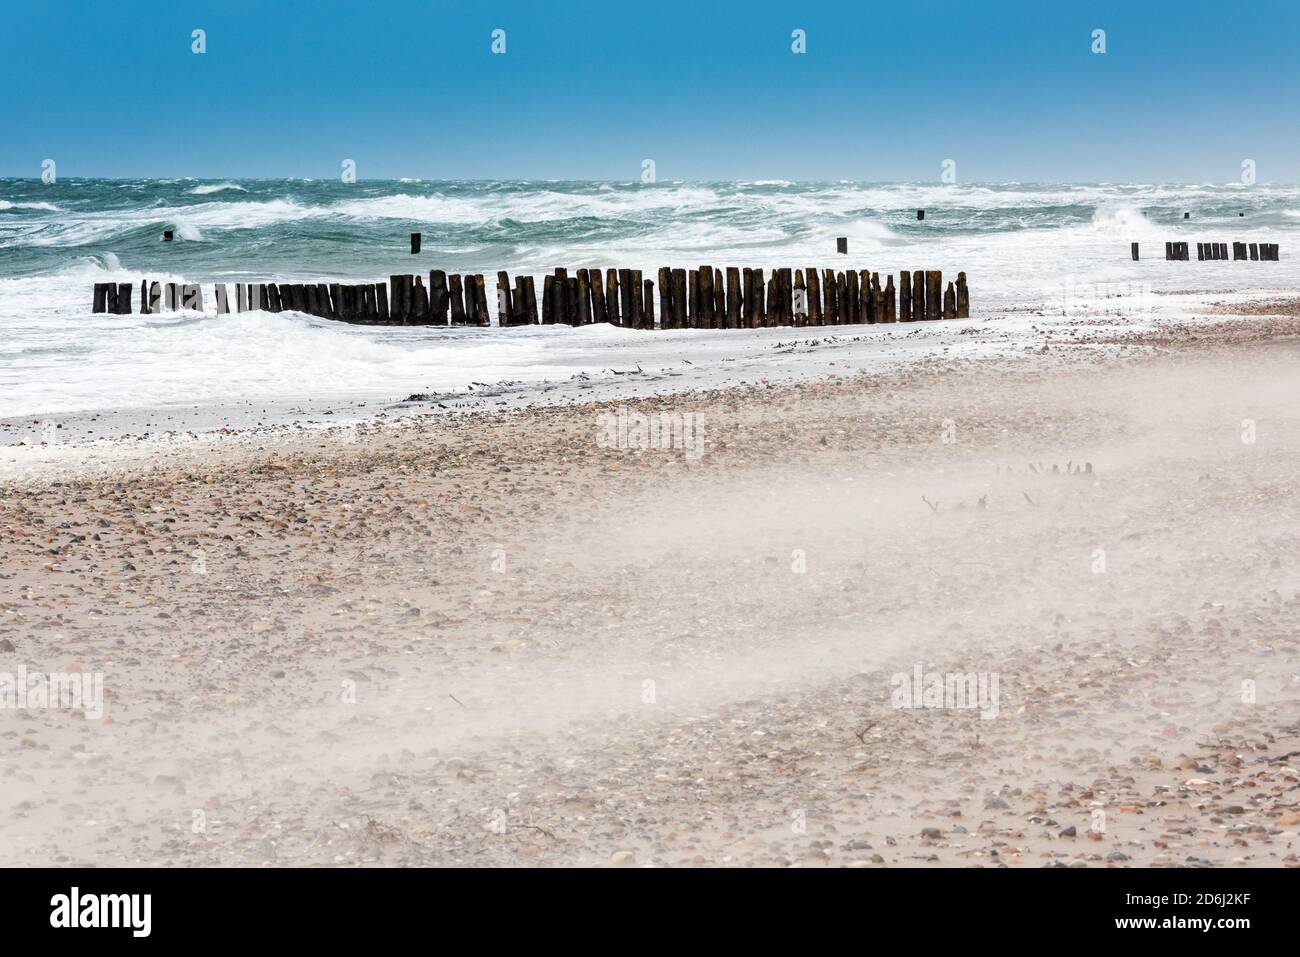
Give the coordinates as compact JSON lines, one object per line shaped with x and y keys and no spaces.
{"x":532,"y":635}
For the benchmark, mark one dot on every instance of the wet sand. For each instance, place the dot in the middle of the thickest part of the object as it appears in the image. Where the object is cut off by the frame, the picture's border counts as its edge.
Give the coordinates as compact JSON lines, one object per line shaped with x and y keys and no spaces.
{"x":491,"y":638}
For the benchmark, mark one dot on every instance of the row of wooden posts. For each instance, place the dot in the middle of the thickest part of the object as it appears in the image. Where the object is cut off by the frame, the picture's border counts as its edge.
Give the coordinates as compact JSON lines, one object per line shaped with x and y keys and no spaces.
{"x":703,"y":298}
{"x":1266,"y":252}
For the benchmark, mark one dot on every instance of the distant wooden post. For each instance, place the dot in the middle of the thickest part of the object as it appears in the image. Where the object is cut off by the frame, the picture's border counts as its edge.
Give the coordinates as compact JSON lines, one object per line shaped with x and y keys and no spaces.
{"x":842,"y":245}
{"x":1254,"y":251}
{"x":1134,"y":248}
{"x":223,"y":298}
{"x":191,"y":297}
{"x":309,"y":296}
{"x":920,"y":215}
{"x":1200,"y":251}
{"x":963,"y":297}
{"x":415,"y":243}
{"x":382,"y":313}
{"x":124,"y":298}
{"x":101,"y":298}
{"x":457,"y":300}
{"x":1238,"y":251}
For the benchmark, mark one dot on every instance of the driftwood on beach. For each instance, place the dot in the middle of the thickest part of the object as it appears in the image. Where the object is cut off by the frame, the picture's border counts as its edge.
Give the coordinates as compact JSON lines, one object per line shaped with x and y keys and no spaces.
{"x":704,"y":298}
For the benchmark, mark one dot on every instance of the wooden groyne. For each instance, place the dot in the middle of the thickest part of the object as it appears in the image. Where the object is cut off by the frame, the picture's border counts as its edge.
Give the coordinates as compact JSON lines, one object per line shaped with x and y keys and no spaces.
{"x":1261,"y":252}
{"x":704,"y":298}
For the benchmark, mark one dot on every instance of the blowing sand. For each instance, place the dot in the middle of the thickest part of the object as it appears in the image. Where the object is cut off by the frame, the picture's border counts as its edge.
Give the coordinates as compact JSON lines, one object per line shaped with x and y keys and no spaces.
{"x":491,"y":638}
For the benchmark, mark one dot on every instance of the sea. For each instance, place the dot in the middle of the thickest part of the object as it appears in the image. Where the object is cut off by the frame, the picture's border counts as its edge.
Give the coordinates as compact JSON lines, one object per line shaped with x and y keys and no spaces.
{"x":1024,"y":247}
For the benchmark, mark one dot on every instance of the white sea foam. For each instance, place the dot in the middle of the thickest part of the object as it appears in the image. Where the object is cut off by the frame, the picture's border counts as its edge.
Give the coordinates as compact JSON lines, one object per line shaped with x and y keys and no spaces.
{"x":209,"y":188}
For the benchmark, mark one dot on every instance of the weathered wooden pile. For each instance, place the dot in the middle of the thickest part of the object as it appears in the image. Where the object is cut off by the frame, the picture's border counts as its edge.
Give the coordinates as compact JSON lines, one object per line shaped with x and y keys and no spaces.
{"x":1263,"y":252}
{"x":703,"y":298}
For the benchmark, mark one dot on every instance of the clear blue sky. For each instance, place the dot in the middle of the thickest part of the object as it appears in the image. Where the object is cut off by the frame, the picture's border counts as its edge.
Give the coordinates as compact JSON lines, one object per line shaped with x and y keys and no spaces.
{"x":887,"y":90}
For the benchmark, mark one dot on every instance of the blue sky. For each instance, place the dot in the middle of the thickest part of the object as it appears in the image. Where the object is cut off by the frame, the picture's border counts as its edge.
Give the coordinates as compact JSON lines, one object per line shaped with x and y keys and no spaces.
{"x":585,"y":90}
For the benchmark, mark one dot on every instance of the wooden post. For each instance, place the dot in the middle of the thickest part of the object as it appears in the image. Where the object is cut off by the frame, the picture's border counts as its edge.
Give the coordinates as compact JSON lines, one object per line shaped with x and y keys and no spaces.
{"x":110,"y":298}
{"x":842,"y":245}
{"x":693,"y":299}
{"x":854,"y":296}
{"x":381,"y":303}
{"x":625,"y":293}
{"x":666,"y":314}
{"x":1254,"y":250}
{"x":735,"y":298}
{"x":309,"y":299}
{"x":760,"y":300}
{"x":719,"y":299}
{"x":1238,"y":251}
{"x":598,"y":313}
{"x":814,"y":298}
{"x":842,"y":299}
{"x":101,"y":298}
{"x":799,"y":303}
{"x":868,"y":309}
{"x":637,"y":292}
{"x":124,"y":298}
{"x":548,"y":299}
{"x":584,"y":298}
{"x":530,"y":295}
{"x":612,"y":297}
{"x":887,"y":300}
{"x":830,"y":307}
{"x":504,"y":310}
{"x":415,"y":243}
{"x":707,"y":318}
{"x":483,"y":316}
{"x":679,"y":297}
{"x":648,"y":303}
{"x":419,"y":303}
{"x":1134,"y":249}
{"x":963,"y":297}
{"x":336,"y":296}
{"x":1200,"y":251}
{"x":561,"y":307}
{"x":934,"y":294}
{"x":950,"y":302}
{"x":918,"y":295}
{"x":438,"y":297}
{"x":399,"y":304}
{"x":191,"y":297}
{"x":920,"y":215}
{"x":223,"y":298}
{"x":773,"y":315}
{"x":457,"y":299}
{"x":571,"y":300}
